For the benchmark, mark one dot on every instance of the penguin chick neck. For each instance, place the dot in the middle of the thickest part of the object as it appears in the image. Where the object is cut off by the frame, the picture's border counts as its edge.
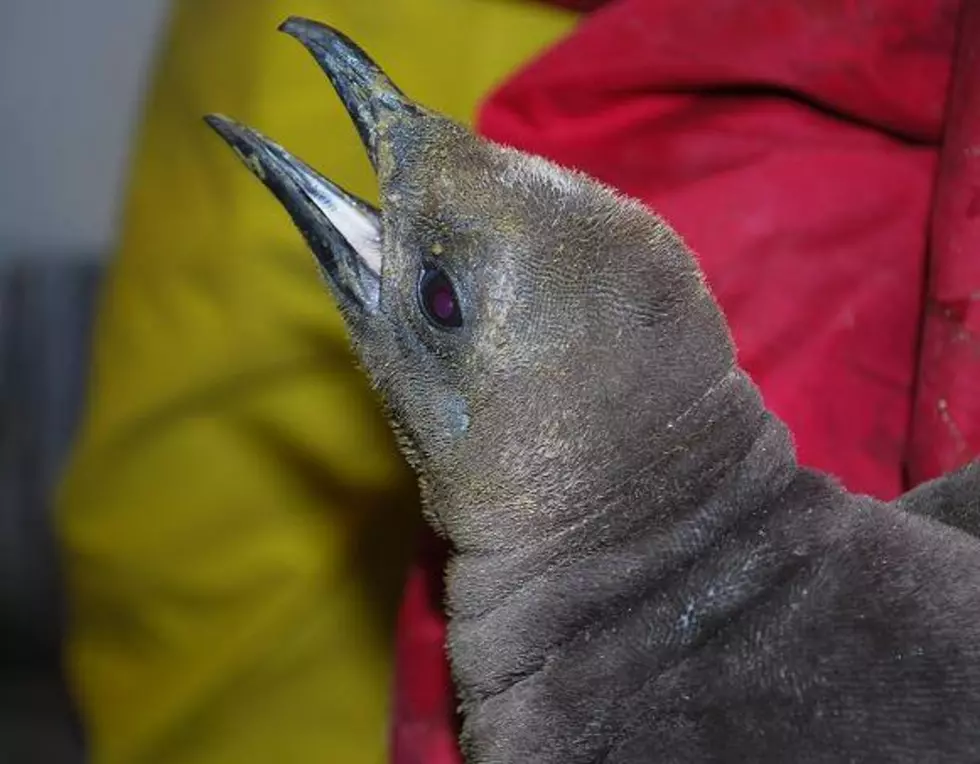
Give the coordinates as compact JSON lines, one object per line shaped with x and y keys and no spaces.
{"x":520,"y":616}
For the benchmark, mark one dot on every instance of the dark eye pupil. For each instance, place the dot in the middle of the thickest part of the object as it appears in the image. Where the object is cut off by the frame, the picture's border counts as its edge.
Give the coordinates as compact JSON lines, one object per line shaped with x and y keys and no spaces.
{"x":438,"y":299}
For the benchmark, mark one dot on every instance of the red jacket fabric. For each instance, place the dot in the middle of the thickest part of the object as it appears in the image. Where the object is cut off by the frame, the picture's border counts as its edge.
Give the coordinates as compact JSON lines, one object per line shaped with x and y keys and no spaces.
{"x":822,"y":159}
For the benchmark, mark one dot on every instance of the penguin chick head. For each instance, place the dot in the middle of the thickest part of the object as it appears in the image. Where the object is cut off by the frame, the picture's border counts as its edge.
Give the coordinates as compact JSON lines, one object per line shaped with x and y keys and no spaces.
{"x":536,"y":337}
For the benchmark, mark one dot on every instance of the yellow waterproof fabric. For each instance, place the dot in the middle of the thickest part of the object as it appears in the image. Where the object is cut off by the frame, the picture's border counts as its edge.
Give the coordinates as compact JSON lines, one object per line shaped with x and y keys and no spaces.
{"x":234,"y":520}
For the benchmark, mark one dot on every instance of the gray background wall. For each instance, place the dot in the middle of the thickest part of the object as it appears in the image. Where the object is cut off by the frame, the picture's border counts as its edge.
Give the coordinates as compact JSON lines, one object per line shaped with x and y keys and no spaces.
{"x":71,"y":81}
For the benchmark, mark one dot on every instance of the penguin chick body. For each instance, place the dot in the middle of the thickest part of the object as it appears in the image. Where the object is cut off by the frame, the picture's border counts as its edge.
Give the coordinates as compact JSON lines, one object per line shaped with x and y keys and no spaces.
{"x":641,"y":570}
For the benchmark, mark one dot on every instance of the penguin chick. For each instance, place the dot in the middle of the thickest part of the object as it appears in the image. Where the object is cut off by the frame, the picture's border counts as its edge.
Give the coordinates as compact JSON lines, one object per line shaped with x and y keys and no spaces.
{"x":641,"y":571}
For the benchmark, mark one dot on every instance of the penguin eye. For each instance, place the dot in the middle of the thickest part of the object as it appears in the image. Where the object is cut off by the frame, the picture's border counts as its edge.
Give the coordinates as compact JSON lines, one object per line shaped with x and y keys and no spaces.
{"x":438,"y":299}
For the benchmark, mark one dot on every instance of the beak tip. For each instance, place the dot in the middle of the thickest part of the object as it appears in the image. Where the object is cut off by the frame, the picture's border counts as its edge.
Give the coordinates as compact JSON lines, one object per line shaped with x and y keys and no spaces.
{"x":226,"y":128}
{"x":215,"y":121}
{"x":291,"y":25}
{"x":305,"y":30}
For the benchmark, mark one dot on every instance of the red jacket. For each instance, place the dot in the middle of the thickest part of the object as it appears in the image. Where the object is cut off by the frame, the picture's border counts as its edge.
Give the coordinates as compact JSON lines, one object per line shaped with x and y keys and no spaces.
{"x":822,"y":158}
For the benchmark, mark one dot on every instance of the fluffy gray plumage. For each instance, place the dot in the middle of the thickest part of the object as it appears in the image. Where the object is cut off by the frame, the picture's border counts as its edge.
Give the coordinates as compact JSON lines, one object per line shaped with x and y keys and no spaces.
{"x":642,"y":572}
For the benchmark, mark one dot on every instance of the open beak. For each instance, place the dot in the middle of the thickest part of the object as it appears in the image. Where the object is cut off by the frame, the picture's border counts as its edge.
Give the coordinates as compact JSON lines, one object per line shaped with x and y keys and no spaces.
{"x":343,"y":231}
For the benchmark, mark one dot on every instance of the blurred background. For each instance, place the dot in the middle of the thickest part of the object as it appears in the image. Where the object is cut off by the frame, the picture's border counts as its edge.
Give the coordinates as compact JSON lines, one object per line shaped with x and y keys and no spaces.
{"x":66,"y":128}
{"x":72,"y":82}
